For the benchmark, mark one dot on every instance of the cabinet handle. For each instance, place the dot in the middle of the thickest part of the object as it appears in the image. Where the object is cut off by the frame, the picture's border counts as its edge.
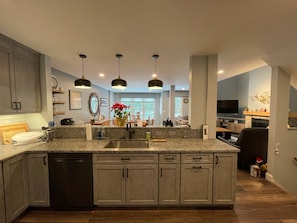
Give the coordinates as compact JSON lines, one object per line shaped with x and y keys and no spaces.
{"x":14,"y":105}
{"x":44,"y":160}
{"x":125,"y":158}
{"x":127,"y":172}
{"x":19,"y":105}
{"x":197,"y":167}
{"x":169,"y":158}
{"x":197,"y":158}
{"x":123,"y":172}
{"x":161,"y":172}
{"x":217,"y":160}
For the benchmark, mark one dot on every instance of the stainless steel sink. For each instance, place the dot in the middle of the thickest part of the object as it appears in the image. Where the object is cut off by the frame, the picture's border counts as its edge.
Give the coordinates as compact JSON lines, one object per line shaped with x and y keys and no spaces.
{"x":127,"y":143}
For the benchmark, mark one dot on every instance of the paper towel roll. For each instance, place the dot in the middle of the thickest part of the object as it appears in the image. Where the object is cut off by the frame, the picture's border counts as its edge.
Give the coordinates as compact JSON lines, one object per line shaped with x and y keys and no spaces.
{"x":88,"y":131}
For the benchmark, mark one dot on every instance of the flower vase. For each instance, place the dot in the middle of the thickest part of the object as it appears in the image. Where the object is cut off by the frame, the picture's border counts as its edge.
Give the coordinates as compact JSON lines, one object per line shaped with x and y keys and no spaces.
{"x":121,"y":121}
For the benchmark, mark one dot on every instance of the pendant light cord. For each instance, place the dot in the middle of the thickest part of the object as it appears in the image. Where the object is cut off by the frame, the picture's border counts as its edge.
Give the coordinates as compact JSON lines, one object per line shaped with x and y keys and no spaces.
{"x":119,"y":68}
{"x":155,"y":56}
{"x":83,"y":68}
{"x":83,"y":56}
{"x":155,"y":67}
{"x":119,"y":56}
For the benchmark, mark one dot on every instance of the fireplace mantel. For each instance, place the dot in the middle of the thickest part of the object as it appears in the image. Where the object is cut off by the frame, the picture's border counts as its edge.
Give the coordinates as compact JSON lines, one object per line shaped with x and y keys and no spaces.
{"x":249,"y":115}
{"x":255,"y":113}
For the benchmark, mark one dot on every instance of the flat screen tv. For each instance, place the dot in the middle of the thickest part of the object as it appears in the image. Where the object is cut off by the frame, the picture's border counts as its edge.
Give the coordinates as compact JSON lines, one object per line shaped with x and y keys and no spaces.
{"x":227,"y":106}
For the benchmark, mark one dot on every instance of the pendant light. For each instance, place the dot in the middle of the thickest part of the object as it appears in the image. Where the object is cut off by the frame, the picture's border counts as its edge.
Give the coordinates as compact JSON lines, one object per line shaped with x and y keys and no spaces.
{"x":119,"y":83}
{"x":155,"y":83}
{"x":82,"y":83}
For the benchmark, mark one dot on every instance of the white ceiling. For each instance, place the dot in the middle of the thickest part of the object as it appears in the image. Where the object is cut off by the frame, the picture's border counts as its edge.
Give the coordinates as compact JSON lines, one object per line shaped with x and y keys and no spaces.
{"x":246,"y":34}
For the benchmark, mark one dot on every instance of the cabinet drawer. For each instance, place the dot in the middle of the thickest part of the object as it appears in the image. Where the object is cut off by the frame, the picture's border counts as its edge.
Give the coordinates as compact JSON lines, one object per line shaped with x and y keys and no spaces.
{"x":197,"y":158}
{"x":169,"y":158}
{"x":125,"y":158}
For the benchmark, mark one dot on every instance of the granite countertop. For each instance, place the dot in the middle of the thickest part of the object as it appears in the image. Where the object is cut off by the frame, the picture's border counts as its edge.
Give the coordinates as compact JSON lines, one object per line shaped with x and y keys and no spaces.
{"x":176,"y":145}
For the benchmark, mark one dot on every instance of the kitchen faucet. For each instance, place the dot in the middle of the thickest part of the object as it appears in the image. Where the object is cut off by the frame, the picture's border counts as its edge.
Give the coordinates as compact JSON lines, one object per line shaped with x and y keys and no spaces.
{"x":130,"y":130}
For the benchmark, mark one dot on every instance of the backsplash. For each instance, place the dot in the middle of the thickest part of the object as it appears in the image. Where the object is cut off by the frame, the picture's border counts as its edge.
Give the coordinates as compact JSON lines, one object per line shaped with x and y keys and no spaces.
{"x":34,"y":120}
{"x":117,"y":133}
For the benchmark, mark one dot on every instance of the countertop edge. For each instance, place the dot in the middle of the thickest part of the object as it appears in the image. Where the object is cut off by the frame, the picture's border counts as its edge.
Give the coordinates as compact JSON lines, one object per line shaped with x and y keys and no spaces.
{"x":189,"y":145}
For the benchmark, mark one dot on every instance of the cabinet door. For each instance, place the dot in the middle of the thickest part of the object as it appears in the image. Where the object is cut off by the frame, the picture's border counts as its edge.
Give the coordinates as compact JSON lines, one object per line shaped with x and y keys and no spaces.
{"x":109,"y":184}
{"x":2,"y":205}
{"x":27,"y":76}
{"x":16,"y":186}
{"x":169,"y":184}
{"x":196,"y":183}
{"x":38,"y":179}
{"x":142,"y":184}
{"x":225,"y":170}
{"x":6,"y":75}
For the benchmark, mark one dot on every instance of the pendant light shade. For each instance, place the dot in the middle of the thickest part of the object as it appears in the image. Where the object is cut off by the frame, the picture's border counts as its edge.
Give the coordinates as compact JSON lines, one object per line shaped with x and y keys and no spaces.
{"x":82,"y":83}
{"x":119,"y":83}
{"x":155,"y":83}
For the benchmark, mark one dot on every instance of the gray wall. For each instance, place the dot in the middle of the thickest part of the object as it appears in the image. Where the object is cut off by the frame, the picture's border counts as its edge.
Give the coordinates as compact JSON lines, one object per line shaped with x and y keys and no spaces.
{"x":293,"y":99}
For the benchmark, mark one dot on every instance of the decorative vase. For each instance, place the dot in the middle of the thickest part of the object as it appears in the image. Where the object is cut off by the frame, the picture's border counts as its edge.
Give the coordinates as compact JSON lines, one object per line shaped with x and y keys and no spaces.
{"x":121,"y":121}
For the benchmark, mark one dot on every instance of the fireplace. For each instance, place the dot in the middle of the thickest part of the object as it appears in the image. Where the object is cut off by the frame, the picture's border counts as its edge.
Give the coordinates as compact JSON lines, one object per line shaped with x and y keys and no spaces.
{"x":260,"y":122}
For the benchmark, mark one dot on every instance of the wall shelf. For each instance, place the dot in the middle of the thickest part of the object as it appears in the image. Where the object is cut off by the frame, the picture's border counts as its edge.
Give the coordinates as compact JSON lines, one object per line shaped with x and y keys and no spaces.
{"x":58,"y":113}
{"x":55,"y":91}
{"x":57,"y":102}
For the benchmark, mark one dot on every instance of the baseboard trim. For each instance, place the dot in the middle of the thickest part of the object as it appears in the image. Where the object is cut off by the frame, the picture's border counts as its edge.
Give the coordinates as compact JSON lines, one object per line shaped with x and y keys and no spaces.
{"x":269,"y":177}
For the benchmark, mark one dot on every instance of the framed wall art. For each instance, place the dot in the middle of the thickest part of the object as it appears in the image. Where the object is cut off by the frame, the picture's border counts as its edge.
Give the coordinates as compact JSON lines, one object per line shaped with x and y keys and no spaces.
{"x":74,"y":100}
{"x":103,"y":102}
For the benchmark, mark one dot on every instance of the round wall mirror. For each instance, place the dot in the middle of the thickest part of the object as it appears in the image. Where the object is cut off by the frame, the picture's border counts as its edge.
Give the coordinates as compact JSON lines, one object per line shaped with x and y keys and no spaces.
{"x":94,"y":104}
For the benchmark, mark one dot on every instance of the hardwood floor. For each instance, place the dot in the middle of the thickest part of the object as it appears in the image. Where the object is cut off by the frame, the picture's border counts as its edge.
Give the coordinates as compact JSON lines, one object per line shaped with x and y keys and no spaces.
{"x":257,"y":201}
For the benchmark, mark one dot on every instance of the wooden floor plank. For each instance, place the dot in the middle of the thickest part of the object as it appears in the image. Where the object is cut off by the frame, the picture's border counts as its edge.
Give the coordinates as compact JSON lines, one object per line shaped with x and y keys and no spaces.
{"x":257,"y":201}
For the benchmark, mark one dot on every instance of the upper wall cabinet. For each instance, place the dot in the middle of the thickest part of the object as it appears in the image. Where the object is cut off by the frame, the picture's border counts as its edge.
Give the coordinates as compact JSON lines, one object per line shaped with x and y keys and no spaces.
{"x":20,"y":78}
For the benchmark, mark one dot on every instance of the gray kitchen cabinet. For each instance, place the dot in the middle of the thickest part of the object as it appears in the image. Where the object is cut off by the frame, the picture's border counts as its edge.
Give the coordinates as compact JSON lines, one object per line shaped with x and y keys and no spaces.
{"x":38,"y":179}
{"x":125,"y":179}
{"x":169,"y":179}
{"x":20,"y":78}
{"x":109,"y":184}
{"x":225,"y":173}
{"x":2,"y":205}
{"x":196,"y":179}
{"x":142,"y":184}
{"x":15,"y":186}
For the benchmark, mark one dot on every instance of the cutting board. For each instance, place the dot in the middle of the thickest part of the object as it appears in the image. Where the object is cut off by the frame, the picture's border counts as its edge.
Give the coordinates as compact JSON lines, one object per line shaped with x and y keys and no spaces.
{"x":7,"y":131}
{"x":159,"y":140}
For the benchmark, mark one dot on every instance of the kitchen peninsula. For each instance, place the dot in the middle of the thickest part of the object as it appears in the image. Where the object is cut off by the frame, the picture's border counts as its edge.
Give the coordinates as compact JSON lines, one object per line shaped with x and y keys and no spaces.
{"x":178,"y":172}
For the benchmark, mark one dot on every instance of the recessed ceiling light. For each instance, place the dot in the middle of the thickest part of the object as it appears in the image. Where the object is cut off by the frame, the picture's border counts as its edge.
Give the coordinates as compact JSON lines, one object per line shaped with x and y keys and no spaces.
{"x":220,"y":71}
{"x":101,"y":75}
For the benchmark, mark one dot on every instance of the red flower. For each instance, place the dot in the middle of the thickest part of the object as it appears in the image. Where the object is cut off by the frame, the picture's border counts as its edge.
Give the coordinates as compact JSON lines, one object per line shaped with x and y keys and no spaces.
{"x":120,"y":110}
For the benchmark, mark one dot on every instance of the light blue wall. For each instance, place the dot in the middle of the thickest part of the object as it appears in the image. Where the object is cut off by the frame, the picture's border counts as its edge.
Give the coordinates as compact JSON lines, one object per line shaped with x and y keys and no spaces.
{"x":259,"y":88}
{"x":66,"y":81}
{"x":246,"y":86}
{"x":235,"y":88}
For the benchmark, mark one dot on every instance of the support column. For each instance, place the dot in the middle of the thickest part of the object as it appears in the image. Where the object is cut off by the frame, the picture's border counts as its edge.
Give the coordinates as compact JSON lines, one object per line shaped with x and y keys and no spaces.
{"x":203,"y":92}
{"x":278,"y":121}
{"x":172,"y":102}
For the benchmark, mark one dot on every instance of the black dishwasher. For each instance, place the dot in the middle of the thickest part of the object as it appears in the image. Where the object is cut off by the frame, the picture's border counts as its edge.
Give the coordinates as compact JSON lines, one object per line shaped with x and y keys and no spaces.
{"x":71,"y":181}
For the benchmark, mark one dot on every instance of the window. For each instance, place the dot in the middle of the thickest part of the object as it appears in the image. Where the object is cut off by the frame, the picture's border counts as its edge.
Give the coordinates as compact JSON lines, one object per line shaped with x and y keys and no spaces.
{"x":178,"y":110}
{"x":144,"y":107}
